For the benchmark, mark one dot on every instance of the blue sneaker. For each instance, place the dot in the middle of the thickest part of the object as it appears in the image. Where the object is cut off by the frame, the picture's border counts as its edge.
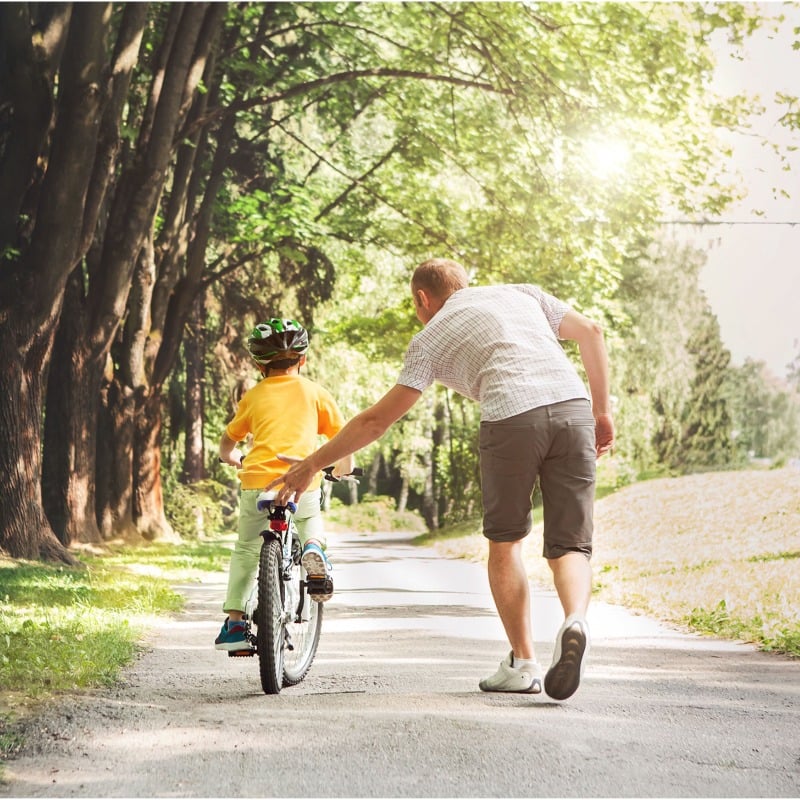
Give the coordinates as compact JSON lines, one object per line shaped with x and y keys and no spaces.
{"x":233,"y":636}
{"x":318,"y":572}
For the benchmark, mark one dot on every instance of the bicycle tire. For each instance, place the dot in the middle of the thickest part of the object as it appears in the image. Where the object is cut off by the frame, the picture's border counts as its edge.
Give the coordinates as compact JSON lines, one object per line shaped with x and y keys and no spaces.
{"x":303,"y":634}
{"x":270,"y":632}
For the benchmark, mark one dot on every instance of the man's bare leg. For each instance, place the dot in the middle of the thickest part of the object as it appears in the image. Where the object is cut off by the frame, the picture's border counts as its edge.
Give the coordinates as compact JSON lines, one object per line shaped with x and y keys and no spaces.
{"x":572,"y":576}
{"x":508,"y":581}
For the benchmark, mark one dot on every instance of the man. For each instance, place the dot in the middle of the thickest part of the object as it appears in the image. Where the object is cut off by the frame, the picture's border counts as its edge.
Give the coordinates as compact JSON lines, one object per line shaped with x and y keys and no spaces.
{"x":499,"y":345}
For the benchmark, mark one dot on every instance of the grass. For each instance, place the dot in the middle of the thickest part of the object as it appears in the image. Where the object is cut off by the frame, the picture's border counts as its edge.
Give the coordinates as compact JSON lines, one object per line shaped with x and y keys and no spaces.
{"x":714,"y":553}
{"x":66,"y":629}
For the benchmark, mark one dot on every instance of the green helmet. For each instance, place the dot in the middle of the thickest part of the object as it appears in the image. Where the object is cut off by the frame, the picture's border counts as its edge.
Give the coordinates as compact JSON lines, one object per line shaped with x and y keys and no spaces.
{"x":277,"y":338}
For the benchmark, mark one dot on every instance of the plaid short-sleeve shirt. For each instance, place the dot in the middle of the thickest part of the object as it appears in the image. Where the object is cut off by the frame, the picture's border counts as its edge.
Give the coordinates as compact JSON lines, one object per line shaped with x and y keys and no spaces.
{"x":497,"y":345}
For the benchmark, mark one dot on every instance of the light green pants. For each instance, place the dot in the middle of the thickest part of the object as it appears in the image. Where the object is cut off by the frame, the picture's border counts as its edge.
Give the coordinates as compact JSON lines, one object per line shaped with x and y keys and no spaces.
{"x":244,"y":559}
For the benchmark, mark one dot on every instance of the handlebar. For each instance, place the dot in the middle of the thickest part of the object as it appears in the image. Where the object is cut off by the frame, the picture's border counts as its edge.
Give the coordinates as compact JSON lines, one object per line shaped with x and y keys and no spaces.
{"x":265,"y":500}
{"x":351,"y":476}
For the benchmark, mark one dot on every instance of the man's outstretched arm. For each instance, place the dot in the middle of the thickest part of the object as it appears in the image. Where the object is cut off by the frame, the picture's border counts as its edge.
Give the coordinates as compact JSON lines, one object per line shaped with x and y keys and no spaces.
{"x":361,"y":430}
{"x":592,"y":346}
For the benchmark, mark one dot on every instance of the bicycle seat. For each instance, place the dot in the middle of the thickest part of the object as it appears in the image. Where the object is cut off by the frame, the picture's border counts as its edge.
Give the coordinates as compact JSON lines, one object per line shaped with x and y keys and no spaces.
{"x":266,"y":500}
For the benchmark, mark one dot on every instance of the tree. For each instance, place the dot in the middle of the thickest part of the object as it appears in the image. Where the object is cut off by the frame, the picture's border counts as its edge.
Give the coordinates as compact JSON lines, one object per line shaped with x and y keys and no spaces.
{"x":120,"y":266}
{"x":151,"y":152}
{"x":44,"y":214}
{"x":659,"y":303}
{"x":765,"y":412}
{"x":706,"y":440}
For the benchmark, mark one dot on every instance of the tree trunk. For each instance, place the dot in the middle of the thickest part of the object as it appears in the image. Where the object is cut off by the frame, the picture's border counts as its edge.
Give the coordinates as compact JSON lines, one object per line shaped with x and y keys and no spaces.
{"x":24,"y":529}
{"x":32,"y":283}
{"x":373,"y":472}
{"x":430,"y":506}
{"x":137,"y":507}
{"x":194,"y":464}
{"x":430,"y":497}
{"x":115,"y":460}
{"x":402,"y":497}
{"x":327,"y":492}
{"x":70,"y":430}
{"x":74,"y":394}
{"x":148,"y":500}
{"x":352,"y":487}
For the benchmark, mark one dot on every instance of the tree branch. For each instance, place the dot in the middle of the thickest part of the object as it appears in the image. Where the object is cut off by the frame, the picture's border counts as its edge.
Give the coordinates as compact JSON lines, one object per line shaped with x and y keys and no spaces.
{"x":344,"y":77}
{"x":436,"y":235}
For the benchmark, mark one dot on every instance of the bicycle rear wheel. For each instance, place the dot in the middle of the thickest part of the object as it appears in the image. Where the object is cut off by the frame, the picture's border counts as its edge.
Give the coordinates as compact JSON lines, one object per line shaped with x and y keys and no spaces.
{"x":270,"y":631}
{"x":303,"y":627}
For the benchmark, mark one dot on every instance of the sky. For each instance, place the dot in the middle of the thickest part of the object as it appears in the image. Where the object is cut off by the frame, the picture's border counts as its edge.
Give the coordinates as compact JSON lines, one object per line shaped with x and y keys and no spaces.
{"x":752,"y":277}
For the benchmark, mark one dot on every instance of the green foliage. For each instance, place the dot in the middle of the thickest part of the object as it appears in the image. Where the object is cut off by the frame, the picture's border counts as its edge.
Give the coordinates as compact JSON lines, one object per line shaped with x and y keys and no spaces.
{"x":458,"y":466}
{"x":200,"y":509}
{"x":765,"y":412}
{"x":682,"y":406}
{"x":377,"y":134}
{"x":528,"y":143}
{"x":660,"y":299}
{"x":706,"y":441}
{"x":372,"y":514}
{"x":613,"y":472}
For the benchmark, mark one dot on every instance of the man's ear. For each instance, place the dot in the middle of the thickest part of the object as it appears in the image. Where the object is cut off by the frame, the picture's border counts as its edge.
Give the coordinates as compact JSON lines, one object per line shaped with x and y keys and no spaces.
{"x":423,"y":299}
{"x":302,"y":361}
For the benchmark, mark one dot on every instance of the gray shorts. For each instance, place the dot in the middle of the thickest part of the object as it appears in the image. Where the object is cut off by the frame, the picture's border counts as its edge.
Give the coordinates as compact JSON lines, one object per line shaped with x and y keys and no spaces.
{"x":555,"y":444}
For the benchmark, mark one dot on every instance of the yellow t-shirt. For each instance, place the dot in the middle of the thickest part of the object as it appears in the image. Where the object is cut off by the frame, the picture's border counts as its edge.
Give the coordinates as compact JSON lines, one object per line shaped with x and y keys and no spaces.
{"x":285,"y":414}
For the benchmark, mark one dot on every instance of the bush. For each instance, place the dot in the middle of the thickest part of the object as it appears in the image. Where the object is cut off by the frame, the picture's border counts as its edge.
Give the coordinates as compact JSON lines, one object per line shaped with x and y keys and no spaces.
{"x":201,"y":509}
{"x":373,"y":514}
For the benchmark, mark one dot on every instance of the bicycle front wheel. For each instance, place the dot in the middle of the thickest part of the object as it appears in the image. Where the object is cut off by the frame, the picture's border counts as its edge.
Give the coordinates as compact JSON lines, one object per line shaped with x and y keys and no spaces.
{"x":303,"y":627}
{"x":271,"y":621}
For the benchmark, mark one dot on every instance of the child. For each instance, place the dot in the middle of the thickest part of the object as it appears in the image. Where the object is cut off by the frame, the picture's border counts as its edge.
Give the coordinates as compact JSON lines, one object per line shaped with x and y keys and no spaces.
{"x":284,"y":413}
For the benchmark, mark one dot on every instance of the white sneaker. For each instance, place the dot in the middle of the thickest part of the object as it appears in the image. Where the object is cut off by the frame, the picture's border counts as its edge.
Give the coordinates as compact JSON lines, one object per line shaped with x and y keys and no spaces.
{"x":569,"y":658}
{"x":510,"y":679}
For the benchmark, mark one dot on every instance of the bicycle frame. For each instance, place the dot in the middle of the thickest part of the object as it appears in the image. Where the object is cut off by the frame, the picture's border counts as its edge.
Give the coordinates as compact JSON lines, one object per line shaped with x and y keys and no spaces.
{"x":283,"y":530}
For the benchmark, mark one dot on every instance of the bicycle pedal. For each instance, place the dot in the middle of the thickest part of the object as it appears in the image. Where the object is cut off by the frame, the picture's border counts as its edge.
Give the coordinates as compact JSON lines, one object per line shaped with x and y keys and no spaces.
{"x":241,"y":653}
{"x":319,"y":588}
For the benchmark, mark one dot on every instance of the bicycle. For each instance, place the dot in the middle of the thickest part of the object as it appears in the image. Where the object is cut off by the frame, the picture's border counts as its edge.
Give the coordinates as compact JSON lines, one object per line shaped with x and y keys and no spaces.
{"x":287,"y":622}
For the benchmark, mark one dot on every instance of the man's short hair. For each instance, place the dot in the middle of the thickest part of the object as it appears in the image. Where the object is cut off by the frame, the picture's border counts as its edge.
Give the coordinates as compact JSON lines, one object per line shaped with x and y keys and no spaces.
{"x":440,"y":277}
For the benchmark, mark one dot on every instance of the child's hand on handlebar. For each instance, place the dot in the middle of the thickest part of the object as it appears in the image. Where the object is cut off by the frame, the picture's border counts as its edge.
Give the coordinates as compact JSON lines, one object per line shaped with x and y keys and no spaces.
{"x":235,"y":458}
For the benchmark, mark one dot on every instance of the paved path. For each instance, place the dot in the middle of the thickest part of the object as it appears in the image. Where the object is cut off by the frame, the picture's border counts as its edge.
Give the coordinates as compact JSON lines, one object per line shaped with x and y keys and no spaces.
{"x":391,"y":707}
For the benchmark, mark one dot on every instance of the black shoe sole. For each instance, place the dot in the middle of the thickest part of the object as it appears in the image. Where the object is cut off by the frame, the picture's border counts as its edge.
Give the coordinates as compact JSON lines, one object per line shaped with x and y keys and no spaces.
{"x":564,"y":677}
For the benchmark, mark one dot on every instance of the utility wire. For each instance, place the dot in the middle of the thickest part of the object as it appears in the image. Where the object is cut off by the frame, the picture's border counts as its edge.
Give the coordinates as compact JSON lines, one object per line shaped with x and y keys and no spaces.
{"x":703,"y":222}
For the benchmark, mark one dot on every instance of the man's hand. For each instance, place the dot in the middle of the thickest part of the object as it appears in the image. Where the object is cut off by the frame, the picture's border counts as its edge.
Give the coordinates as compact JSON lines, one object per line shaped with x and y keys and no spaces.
{"x":295,"y":481}
{"x":603,"y":433}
